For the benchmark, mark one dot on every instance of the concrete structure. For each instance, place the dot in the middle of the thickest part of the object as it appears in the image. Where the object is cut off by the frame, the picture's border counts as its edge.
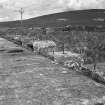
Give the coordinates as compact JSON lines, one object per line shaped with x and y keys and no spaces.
{"x":44,"y":46}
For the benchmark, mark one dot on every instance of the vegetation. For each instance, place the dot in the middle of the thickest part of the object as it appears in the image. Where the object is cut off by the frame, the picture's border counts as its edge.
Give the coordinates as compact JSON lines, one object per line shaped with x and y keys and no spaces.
{"x":58,"y":87}
{"x":79,"y":17}
{"x":91,"y":45}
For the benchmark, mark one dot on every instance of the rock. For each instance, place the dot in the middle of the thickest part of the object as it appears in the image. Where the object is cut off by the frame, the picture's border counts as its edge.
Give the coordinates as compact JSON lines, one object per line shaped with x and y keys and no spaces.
{"x":64,"y":72}
{"x":41,"y":74}
{"x":84,"y":101}
{"x":57,"y":103}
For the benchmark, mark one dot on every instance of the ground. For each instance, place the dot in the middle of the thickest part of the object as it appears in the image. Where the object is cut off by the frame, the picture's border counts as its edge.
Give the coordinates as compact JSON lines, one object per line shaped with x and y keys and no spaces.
{"x":29,"y":79}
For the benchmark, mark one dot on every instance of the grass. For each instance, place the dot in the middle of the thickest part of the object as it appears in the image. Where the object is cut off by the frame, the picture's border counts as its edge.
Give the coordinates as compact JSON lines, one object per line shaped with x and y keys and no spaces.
{"x":36,"y":81}
{"x":80,"y":17}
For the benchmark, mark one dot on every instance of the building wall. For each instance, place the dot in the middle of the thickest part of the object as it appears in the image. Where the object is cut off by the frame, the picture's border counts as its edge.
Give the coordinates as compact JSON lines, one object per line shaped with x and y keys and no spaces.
{"x":45,"y":50}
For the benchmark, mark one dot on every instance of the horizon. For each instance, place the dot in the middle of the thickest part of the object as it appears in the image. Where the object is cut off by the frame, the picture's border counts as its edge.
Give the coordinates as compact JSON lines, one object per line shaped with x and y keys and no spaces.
{"x":9,"y":9}
{"x":49,"y":14}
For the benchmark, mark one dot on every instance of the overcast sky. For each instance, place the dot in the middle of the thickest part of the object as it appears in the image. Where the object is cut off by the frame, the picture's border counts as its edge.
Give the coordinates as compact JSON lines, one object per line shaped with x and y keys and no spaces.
{"x":32,"y":8}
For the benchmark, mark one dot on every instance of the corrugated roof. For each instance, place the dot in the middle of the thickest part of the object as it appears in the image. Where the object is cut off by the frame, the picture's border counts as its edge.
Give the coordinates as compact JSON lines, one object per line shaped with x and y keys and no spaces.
{"x":44,"y":44}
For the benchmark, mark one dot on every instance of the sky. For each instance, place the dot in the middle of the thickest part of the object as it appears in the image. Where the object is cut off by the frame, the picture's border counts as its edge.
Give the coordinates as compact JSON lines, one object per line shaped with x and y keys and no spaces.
{"x":9,"y":9}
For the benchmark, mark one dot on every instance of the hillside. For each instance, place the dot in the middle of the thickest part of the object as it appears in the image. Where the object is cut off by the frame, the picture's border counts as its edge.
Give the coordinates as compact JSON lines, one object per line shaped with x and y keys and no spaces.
{"x":80,"y":17}
{"x":29,"y":79}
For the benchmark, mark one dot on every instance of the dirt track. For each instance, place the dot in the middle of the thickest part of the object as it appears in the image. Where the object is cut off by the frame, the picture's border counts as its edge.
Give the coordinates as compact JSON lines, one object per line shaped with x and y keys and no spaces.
{"x":29,"y":79}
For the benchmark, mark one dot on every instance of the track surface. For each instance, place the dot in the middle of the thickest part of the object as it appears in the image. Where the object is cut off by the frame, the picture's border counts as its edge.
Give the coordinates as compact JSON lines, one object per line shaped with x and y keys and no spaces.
{"x":29,"y":79}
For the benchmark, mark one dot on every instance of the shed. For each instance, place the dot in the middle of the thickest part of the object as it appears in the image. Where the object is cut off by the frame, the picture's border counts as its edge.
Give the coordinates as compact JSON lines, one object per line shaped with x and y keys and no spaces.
{"x":44,"y":46}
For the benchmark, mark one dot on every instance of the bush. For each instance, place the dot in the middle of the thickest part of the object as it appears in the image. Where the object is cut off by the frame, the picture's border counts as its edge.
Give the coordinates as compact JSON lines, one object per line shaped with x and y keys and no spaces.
{"x":86,"y":71}
{"x":30,"y":46}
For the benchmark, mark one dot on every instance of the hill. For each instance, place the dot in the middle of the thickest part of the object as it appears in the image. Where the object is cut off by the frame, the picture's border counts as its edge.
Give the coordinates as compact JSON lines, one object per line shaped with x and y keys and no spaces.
{"x":90,"y":17}
{"x":30,"y":79}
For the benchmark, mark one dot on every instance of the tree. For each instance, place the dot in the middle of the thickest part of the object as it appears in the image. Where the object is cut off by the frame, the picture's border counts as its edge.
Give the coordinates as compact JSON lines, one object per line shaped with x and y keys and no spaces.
{"x":94,"y":44}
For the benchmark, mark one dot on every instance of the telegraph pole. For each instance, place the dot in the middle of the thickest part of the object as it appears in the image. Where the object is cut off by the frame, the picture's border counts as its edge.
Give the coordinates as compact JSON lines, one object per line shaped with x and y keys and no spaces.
{"x":21,"y":11}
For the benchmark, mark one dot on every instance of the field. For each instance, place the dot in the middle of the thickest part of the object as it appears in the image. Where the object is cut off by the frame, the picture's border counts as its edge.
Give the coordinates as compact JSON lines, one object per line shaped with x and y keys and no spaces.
{"x":29,"y":79}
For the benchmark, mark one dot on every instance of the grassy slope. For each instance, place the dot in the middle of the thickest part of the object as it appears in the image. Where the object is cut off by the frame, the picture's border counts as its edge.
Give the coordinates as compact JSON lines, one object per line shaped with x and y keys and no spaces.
{"x":27,"y":79}
{"x":84,"y":17}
